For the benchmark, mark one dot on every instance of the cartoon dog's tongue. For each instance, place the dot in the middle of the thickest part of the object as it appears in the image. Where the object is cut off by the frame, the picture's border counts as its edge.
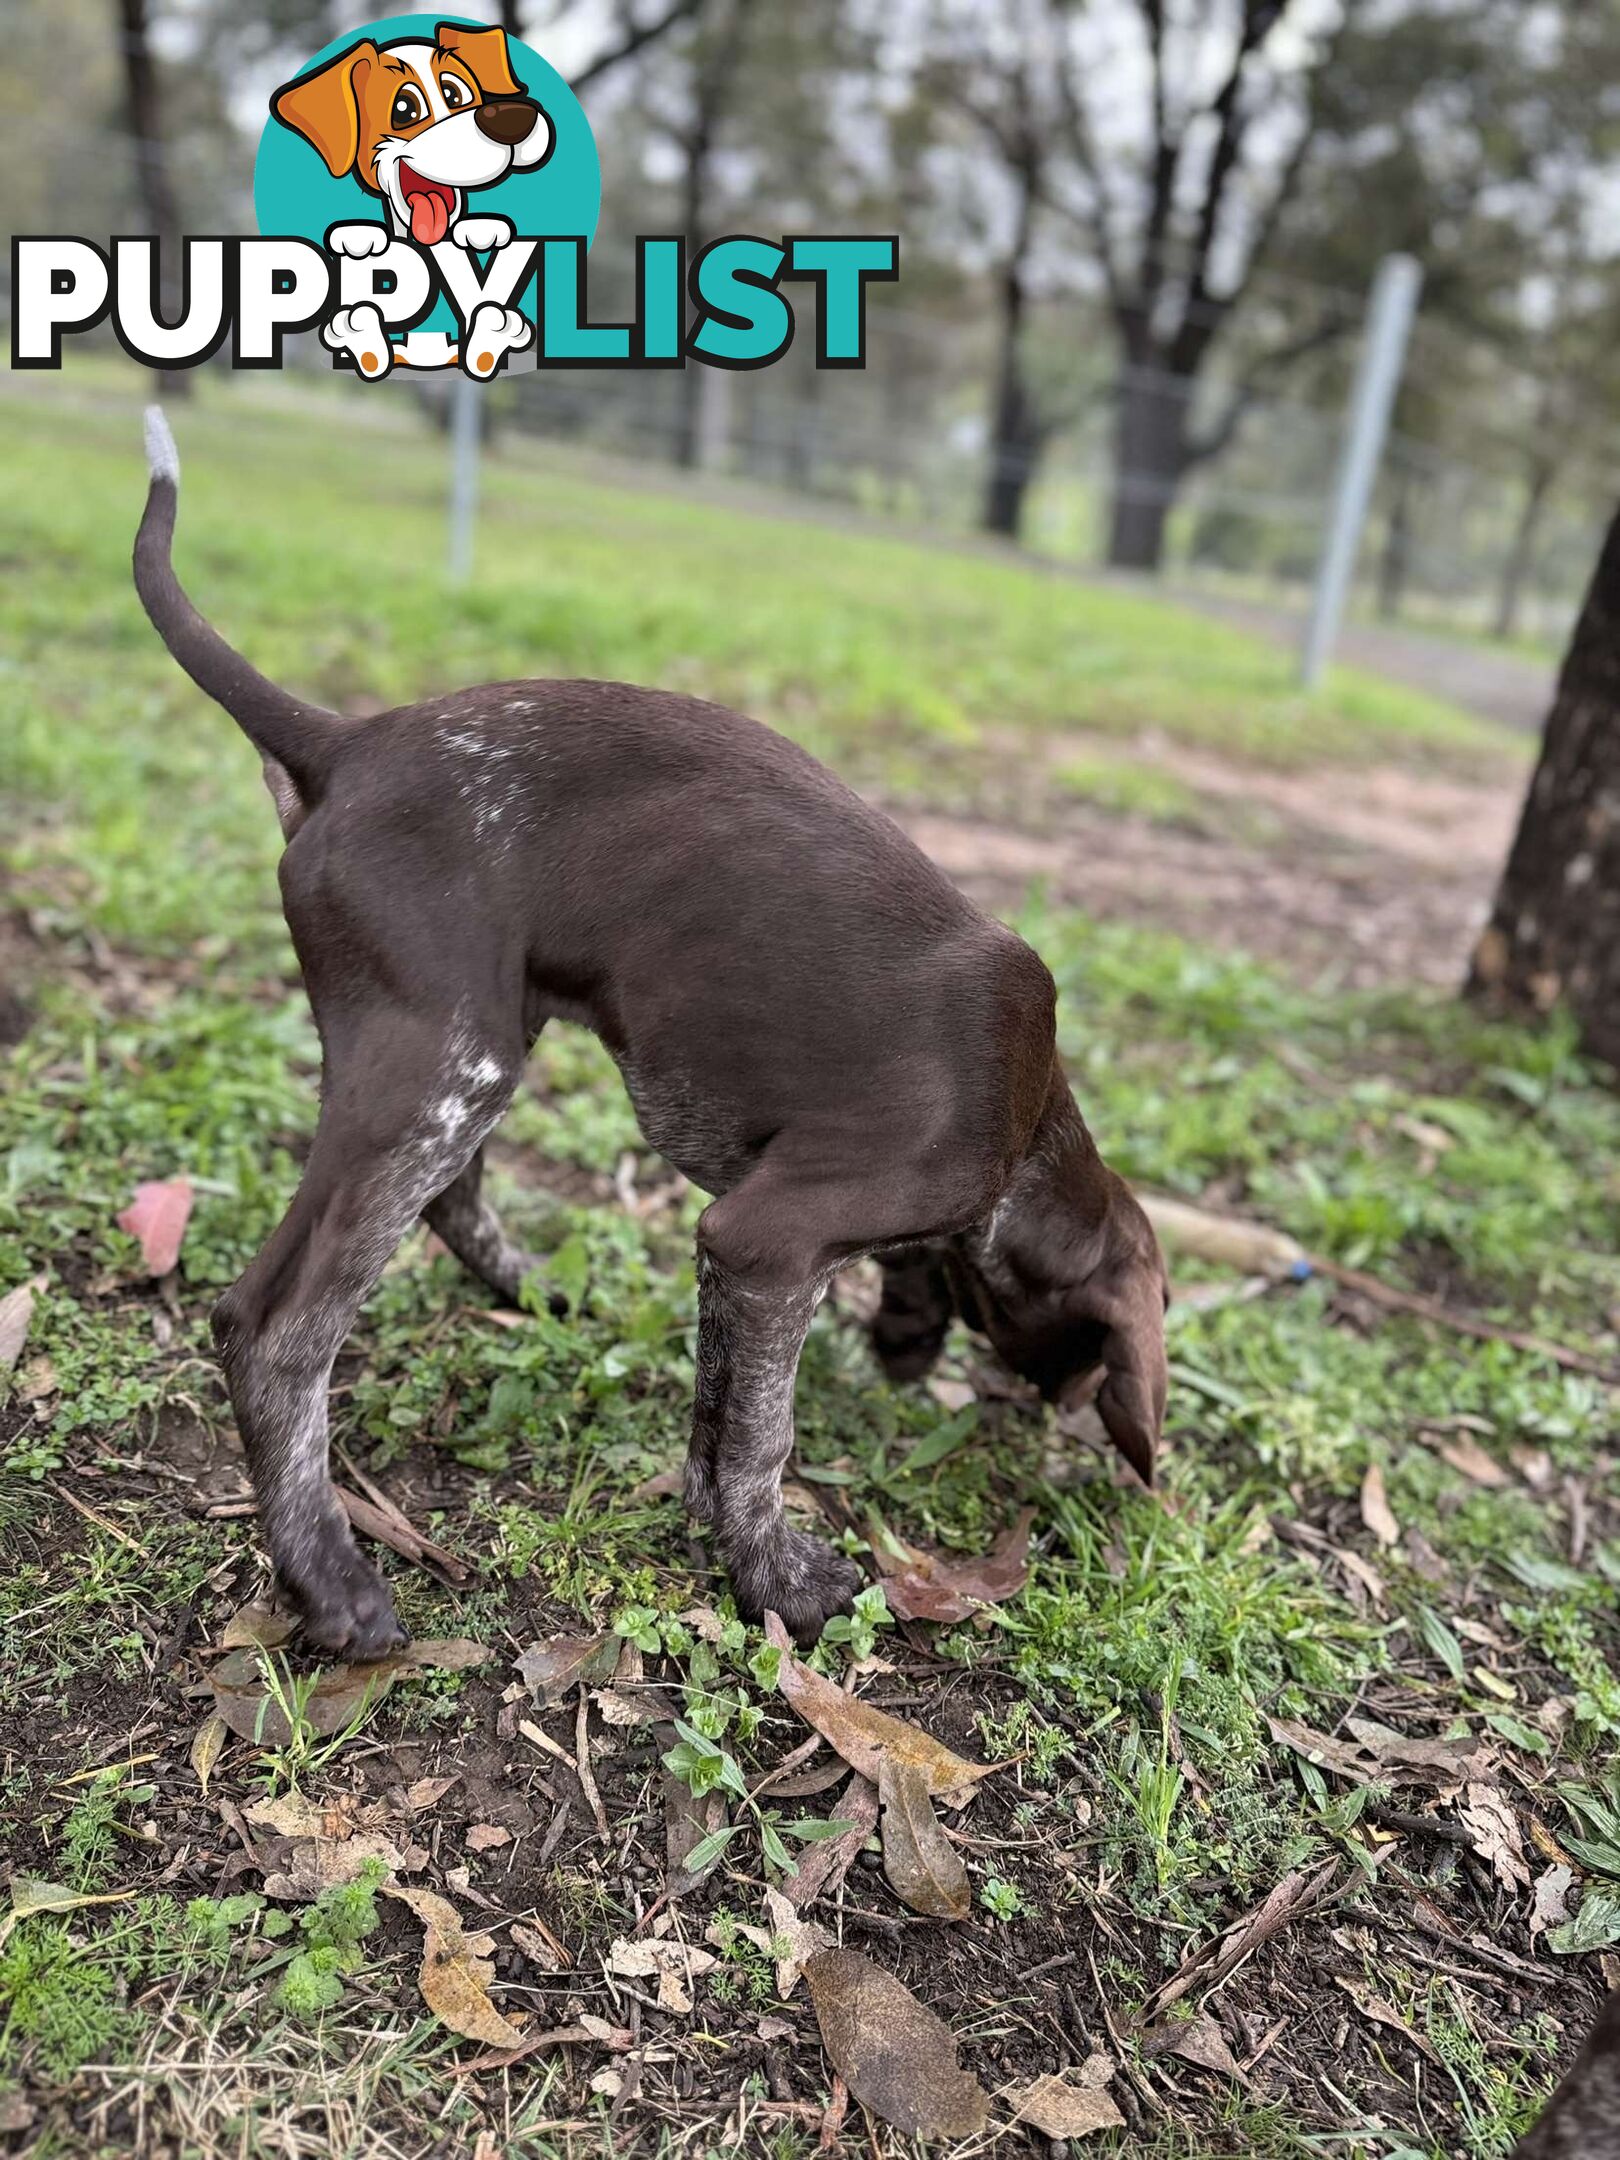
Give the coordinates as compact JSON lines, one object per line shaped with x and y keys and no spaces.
{"x":429,"y":208}
{"x":430,"y":219}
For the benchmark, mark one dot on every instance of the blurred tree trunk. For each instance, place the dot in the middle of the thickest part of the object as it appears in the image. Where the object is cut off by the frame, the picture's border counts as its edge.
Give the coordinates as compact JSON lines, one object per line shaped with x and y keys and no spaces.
{"x":1151,"y":452}
{"x":1554,"y":932}
{"x":1522,"y":553}
{"x":143,"y":102}
{"x":512,"y":18}
{"x":714,"y":71}
{"x":1015,"y":431}
{"x":1396,"y":558}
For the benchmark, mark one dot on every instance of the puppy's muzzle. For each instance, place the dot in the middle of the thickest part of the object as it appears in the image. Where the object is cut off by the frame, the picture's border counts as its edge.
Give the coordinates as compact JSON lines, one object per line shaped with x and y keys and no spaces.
{"x":506,"y":120}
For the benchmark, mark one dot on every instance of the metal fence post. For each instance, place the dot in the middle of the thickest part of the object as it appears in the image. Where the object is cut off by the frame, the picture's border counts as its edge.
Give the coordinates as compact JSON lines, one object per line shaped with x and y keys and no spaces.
{"x":1378,"y":375}
{"x":464,"y":417}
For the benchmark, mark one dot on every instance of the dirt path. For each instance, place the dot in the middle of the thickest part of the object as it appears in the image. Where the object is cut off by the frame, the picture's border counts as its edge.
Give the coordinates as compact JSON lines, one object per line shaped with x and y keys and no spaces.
{"x":1368,"y":877}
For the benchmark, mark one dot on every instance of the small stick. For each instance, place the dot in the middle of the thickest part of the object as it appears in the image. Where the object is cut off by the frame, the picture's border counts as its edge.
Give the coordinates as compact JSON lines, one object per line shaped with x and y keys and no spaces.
{"x":582,"y":1764}
{"x":101,"y":1522}
{"x":1428,"y":1308}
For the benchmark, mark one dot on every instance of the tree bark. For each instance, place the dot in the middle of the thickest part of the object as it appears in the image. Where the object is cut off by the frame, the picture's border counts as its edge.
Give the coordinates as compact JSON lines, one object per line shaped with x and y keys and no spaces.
{"x":1554,"y":933}
{"x":1522,"y":554}
{"x":1151,"y":454}
{"x":715,"y":64}
{"x":512,"y":18}
{"x":143,"y":103}
{"x":1396,"y":558}
{"x":1015,"y":427}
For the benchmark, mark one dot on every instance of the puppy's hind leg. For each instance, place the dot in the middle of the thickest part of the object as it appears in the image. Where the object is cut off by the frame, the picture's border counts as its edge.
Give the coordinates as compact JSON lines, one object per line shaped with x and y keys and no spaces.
{"x":406,"y":1101}
{"x":464,"y":1219}
{"x":911,"y":1324}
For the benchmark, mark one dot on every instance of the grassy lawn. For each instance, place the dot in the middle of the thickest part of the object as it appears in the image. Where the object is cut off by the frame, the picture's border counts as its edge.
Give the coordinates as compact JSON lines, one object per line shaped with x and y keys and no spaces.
{"x":1140,"y":1692}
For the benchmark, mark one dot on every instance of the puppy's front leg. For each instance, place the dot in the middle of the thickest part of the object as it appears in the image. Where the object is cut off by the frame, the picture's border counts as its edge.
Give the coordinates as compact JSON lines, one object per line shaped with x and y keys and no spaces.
{"x":751,"y":1328}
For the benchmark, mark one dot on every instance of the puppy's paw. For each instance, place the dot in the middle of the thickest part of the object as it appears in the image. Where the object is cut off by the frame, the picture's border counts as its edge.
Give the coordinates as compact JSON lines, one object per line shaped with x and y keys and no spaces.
{"x":359,"y":332}
{"x":481,"y":232}
{"x":346,"y":1606}
{"x":492,"y":333}
{"x":798,"y":1578}
{"x":698,"y":1490}
{"x":358,"y":240}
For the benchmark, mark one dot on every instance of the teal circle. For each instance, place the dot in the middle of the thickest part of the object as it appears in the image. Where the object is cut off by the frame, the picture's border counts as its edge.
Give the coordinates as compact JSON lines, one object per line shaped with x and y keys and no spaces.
{"x":295,"y":195}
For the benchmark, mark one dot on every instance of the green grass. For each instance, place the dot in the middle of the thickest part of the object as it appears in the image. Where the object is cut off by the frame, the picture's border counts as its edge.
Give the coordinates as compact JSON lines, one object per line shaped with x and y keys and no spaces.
{"x":1137,"y":1673}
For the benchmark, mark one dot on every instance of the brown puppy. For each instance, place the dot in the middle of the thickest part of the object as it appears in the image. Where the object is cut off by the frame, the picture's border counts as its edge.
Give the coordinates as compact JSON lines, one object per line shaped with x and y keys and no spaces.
{"x":1582,"y":2119}
{"x":811,"y":1021}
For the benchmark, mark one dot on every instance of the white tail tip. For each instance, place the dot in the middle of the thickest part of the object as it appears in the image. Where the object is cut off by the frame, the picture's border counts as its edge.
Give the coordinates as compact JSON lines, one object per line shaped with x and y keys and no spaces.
{"x":162,"y":458}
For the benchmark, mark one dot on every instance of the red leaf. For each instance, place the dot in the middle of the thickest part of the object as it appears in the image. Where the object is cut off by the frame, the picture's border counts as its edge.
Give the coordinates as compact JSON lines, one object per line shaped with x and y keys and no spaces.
{"x":933,"y":1586}
{"x":157,"y":1216}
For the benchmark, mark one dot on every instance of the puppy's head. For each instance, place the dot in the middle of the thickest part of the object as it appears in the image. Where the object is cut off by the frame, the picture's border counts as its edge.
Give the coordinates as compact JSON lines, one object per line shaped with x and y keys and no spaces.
{"x":420,"y":124}
{"x":1070,"y":1287}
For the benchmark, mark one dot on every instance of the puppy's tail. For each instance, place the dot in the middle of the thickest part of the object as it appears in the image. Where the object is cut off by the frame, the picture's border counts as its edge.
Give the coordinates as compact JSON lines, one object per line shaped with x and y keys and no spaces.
{"x":301,"y":739}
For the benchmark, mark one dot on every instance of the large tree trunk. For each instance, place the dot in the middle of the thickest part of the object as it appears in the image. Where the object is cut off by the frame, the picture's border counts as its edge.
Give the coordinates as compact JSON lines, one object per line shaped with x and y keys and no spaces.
{"x":144,"y":104}
{"x":1554,"y":933}
{"x":1522,"y":554}
{"x":1150,"y":455}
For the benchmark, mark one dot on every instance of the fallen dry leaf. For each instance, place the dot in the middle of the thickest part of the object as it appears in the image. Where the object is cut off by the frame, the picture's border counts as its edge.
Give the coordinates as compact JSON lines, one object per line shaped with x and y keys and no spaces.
{"x":256,"y":1627}
{"x":1375,"y":1751}
{"x":1072,"y":2105}
{"x":1549,"y":1907}
{"x":896,"y":2056}
{"x":340,"y":1694}
{"x":789,"y":1941}
{"x":823,"y":1865}
{"x":427,"y":1792}
{"x":1468,"y":1457}
{"x":206,"y":1745}
{"x":674,"y":1965}
{"x":1383,"y":2012}
{"x":940,"y":1586}
{"x":456,"y":1972}
{"x":924,"y":1869}
{"x":380,"y":1520}
{"x":864,"y":1736}
{"x":156,"y":1218}
{"x":312,"y":1865}
{"x":1376,"y":1511}
{"x":550,"y":1669}
{"x":16,"y":1312}
{"x":486,"y":1836}
{"x":540,"y":1946}
{"x":31,"y":1895}
{"x":1196,"y":2040}
{"x":1493,"y":1831}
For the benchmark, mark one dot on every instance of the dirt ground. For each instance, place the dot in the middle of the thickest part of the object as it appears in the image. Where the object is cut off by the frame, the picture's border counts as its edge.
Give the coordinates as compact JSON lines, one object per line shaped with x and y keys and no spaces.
{"x":1383,"y":877}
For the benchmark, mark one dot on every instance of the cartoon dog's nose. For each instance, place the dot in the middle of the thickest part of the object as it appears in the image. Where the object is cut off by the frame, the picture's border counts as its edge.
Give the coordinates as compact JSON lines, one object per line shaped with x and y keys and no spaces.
{"x":507,"y":120}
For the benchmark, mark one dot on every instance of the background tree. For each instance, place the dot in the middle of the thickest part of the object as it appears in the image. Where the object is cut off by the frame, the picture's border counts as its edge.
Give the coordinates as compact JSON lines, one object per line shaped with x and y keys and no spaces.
{"x":1554,"y":932}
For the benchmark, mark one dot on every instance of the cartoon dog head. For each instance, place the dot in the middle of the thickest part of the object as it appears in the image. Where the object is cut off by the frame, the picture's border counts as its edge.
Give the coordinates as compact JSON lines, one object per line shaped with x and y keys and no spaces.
{"x":419,"y":124}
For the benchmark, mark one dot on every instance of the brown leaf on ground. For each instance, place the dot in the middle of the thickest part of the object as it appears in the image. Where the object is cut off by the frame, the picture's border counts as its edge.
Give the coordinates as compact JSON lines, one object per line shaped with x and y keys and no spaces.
{"x":924,"y":1869}
{"x":1383,"y":2012}
{"x":1549,"y":1907}
{"x":789,"y":1941}
{"x":427,"y":1792}
{"x":486,"y":1836}
{"x":540,"y":1946}
{"x":1376,"y":1751}
{"x":823,"y":1865}
{"x":1072,"y":2105}
{"x":256,"y":1627}
{"x":442,"y":1653}
{"x":550,"y":1669}
{"x":29,"y":1894}
{"x":206,"y":1745}
{"x":16,"y":1312}
{"x":1284,"y":1903}
{"x":941,"y":1586}
{"x":341,"y":1693}
{"x":456,"y":1973}
{"x":688,"y":1819}
{"x":1376,"y":1511}
{"x":156,"y":1218}
{"x":1493,"y":1831}
{"x":1470,"y":1459}
{"x":311,"y":1865}
{"x":864,"y":1736}
{"x":674,"y":1965}
{"x":1196,"y":2040}
{"x":897,"y":2058}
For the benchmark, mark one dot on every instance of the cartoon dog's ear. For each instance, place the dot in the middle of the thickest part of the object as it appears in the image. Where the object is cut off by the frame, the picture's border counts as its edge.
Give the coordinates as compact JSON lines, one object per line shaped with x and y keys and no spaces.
{"x":325,"y":107}
{"x":485,"y":53}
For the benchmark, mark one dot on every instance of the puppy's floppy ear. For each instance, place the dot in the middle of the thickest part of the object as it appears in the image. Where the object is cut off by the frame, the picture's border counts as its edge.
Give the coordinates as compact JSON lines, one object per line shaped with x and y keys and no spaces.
{"x":325,"y":107}
{"x":1125,"y":1296}
{"x":485,"y":53}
